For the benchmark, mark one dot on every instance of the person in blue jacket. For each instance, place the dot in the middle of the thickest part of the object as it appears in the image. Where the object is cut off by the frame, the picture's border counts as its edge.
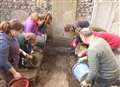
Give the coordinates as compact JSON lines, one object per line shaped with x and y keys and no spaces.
{"x":6,"y":69}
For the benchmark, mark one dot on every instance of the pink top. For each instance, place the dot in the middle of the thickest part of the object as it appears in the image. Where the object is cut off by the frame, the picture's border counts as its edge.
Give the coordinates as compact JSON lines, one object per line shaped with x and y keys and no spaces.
{"x":113,"y":40}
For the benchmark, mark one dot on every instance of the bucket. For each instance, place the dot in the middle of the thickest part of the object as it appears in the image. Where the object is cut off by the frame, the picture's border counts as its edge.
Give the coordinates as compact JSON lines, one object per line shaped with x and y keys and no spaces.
{"x":80,"y":70}
{"x":22,"y":82}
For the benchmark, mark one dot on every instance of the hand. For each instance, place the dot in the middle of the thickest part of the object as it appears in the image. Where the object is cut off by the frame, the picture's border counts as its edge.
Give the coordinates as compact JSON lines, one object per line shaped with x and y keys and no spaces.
{"x":17,"y":75}
{"x":85,"y":84}
{"x":79,"y":55}
{"x":74,"y":44}
{"x":82,"y":53}
{"x":29,"y":56}
{"x":32,"y":51}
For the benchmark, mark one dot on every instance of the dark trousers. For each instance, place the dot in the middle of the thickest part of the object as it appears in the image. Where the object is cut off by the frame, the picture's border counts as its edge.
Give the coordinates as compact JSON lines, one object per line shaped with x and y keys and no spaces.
{"x":99,"y":82}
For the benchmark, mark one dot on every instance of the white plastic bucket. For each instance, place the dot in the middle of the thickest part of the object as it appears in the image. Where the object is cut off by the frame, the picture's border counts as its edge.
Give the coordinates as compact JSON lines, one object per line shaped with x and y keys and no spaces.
{"x":80,"y":70}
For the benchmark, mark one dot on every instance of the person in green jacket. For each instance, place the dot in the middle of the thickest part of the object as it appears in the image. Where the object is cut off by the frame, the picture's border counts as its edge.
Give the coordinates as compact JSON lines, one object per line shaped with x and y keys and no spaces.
{"x":103,"y":68}
{"x":26,"y":42}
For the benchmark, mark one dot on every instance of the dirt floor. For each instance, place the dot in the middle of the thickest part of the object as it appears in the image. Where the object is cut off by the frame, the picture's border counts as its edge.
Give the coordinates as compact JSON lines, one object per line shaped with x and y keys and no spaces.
{"x":55,"y":70}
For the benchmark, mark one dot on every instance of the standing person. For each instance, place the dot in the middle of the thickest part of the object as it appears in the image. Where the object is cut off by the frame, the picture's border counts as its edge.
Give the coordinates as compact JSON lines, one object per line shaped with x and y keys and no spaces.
{"x":6,"y":69}
{"x":103,"y":67}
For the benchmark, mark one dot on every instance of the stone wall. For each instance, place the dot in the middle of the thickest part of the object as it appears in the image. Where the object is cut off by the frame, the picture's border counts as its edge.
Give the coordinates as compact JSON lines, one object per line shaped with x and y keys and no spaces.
{"x":84,"y":9}
{"x":67,"y":12}
{"x":20,"y":9}
{"x":15,"y":8}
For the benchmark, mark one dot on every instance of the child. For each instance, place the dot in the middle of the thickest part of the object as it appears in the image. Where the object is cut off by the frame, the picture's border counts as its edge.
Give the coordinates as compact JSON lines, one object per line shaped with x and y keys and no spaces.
{"x":30,"y":25}
{"x":26,"y":42}
{"x":43,"y":23}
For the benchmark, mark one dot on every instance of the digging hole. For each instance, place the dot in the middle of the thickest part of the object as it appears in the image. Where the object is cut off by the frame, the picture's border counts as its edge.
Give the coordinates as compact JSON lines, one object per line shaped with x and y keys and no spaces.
{"x":55,"y":70}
